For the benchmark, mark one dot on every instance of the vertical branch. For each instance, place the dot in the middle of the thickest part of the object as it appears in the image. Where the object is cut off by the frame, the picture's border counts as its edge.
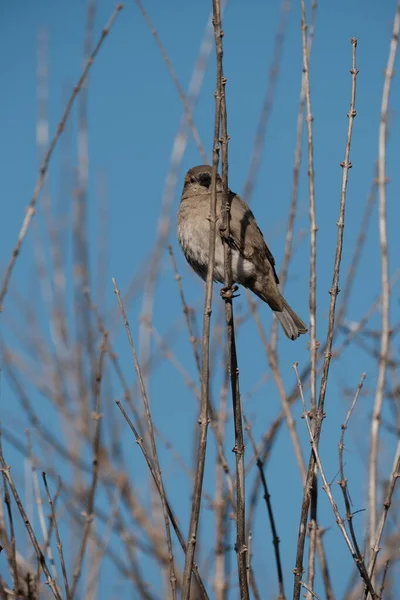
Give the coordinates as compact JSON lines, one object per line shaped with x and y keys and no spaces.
{"x":385,"y":334}
{"x":319,"y":414}
{"x":205,"y":370}
{"x":311,"y":482}
{"x":240,"y":546}
{"x":313,"y":223}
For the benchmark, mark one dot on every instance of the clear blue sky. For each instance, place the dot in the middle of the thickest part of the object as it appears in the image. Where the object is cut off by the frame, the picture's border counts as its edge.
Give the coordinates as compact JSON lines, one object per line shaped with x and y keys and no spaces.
{"x":134,"y":113}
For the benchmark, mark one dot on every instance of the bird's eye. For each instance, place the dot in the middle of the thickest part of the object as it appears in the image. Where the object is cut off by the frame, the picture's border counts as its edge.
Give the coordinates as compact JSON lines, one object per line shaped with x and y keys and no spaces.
{"x":192,"y":179}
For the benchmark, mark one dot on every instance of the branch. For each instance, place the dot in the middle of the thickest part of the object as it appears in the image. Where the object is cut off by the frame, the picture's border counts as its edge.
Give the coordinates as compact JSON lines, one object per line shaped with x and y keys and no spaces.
{"x":385,"y":335}
{"x":241,"y":545}
{"x":334,"y":291}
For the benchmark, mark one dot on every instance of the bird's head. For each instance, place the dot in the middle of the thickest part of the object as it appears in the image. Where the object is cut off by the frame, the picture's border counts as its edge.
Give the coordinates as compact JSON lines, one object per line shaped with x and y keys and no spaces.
{"x":198,"y":180}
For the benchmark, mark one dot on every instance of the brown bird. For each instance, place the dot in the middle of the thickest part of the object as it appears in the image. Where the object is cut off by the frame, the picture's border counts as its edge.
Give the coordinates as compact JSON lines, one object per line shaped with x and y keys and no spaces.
{"x":253,"y":265}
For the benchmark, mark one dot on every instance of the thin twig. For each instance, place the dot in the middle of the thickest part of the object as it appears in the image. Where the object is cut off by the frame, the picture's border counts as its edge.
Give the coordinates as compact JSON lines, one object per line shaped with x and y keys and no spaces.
{"x":319,"y":415}
{"x":221,"y":504}
{"x":313,"y":224}
{"x":324,"y":567}
{"x":30,"y":211}
{"x":267,"y":498}
{"x":146,"y":406}
{"x":385,"y":334}
{"x":12,"y":556}
{"x":273,"y":365}
{"x":212,"y":413}
{"x":310,"y":591}
{"x":394,"y":476}
{"x":40,"y":557}
{"x":343,"y":481}
{"x":385,"y":571}
{"x":59,"y":544}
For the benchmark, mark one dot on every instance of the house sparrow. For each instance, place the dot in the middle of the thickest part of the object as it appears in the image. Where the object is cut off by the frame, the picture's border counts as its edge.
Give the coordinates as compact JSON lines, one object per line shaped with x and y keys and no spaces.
{"x":253,"y":265}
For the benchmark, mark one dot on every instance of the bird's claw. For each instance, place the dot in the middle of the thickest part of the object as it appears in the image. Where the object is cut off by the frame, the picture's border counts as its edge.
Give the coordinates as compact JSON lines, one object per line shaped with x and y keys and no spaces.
{"x":227,"y":293}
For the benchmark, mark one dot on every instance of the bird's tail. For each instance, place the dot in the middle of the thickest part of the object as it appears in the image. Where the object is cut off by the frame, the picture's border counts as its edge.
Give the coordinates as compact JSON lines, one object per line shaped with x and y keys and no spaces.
{"x":292,"y":325}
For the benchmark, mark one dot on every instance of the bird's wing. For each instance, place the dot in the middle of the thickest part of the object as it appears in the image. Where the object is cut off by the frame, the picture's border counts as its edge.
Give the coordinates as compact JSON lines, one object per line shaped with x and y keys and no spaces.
{"x":246,"y":236}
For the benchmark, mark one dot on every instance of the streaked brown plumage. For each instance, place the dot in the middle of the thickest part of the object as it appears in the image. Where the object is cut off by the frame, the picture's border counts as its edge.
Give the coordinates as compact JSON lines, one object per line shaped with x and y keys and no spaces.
{"x":253,"y":265}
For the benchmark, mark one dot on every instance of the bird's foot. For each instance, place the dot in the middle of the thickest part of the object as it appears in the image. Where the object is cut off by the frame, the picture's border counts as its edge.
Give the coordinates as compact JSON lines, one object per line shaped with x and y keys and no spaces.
{"x":227,"y":293}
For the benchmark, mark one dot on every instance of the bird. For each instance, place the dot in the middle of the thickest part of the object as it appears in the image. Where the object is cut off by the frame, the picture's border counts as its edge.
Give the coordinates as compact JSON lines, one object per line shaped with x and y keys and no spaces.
{"x":253,"y":265}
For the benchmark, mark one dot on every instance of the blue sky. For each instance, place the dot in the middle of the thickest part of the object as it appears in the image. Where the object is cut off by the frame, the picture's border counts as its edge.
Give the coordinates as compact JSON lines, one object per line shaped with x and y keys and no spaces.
{"x":134,"y":113}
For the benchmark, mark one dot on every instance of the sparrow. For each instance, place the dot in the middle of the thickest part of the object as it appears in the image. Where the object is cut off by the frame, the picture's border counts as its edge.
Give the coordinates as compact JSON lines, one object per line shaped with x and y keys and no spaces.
{"x":253,"y":265}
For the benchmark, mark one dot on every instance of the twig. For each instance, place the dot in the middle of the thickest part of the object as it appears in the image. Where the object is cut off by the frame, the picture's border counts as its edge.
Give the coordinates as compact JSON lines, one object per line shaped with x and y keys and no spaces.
{"x":39,"y":505}
{"x":312,"y":531}
{"x":12,"y":556}
{"x":152,"y":441}
{"x":343,"y":482}
{"x":324,"y":567}
{"x":313,"y":224}
{"x":51,"y":524}
{"x":267,"y":498}
{"x":385,"y":570}
{"x":164,"y":221}
{"x":221,"y":503}
{"x":59,"y":544}
{"x":211,"y":409}
{"x":394,"y":476}
{"x":327,"y":489}
{"x":273,"y":365}
{"x":385,"y":335}
{"x":309,"y":590}
{"x":40,"y":557}
{"x":319,"y":415}
{"x":30,"y":211}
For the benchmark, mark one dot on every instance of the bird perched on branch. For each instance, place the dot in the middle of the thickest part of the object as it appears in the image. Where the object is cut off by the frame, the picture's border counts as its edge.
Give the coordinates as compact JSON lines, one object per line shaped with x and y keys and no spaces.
{"x":253,"y":265}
